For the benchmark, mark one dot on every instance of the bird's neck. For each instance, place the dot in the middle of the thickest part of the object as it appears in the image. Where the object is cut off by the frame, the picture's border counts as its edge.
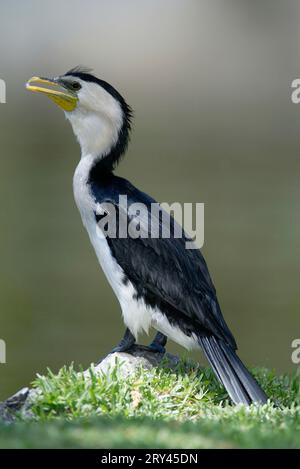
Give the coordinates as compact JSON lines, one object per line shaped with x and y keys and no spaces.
{"x":96,"y":134}
{"x":102,"y":141}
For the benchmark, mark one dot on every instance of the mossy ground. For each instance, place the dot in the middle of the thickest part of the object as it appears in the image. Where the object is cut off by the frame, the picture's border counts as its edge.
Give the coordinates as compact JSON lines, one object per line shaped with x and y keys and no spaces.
{"x":163,"y":408}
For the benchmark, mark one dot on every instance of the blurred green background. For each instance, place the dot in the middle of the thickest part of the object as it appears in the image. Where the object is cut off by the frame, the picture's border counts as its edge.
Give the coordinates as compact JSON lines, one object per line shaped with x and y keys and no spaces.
{"x":210,"y":83}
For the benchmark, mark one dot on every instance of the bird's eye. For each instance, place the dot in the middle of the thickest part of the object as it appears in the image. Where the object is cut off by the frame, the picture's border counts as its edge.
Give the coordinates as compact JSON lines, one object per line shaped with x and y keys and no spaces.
{"x":76,"y":86}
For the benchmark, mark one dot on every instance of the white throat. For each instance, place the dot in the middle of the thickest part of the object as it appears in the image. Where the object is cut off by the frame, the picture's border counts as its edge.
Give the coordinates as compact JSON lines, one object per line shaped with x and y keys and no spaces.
{"x":95,"y":133}
{"x":96,"y":121}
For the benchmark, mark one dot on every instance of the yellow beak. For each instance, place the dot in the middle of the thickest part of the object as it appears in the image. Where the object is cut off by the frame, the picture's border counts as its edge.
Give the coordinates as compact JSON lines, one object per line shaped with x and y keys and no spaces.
{"x":65,"y":99}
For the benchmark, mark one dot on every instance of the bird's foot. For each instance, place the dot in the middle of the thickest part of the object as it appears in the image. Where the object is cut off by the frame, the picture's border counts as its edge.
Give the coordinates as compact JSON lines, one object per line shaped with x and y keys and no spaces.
{"x":128,"y":344}
{"x":125,"y":345}
{"x":121,"y":348}
{"x":156,"y":348}
{"x":158,"y":343}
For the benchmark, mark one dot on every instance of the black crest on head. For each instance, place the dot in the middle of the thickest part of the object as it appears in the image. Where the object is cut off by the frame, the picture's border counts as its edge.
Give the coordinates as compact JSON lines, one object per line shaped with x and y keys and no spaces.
{"x":110,"y":161}
{"x":79,"y":69}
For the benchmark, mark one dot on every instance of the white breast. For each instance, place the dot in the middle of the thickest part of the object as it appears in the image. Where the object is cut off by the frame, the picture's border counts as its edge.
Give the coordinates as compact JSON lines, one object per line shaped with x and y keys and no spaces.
{"x":136,"y":315}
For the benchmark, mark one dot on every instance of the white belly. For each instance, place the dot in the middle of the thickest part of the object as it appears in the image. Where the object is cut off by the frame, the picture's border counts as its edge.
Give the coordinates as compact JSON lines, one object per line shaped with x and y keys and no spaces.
{"x":137,"y":315}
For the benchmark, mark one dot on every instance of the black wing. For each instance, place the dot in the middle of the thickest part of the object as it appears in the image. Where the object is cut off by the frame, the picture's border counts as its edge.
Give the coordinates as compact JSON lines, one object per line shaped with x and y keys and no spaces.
{"x":165,"y":274}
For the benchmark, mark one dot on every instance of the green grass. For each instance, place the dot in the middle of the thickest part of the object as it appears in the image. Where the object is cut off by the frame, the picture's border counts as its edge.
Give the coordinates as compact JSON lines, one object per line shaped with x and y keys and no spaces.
{"x":185,"y":408}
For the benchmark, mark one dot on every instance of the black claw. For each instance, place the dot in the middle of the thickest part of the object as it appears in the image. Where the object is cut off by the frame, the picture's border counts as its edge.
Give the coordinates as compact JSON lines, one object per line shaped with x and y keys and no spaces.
{"x":158,"y":344}
{"x":121,"y":348}
{"x":125,"y":345}
{"x":156,"y":348}
{"x":128,"y":342}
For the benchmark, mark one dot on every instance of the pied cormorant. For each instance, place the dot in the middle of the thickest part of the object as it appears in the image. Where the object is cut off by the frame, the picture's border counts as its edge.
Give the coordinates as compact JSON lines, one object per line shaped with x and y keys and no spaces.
{"x":157,"y":281}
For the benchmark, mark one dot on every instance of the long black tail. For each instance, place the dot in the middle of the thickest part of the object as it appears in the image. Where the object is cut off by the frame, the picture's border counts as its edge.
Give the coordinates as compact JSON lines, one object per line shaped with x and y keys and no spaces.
{"x":231,"y":372}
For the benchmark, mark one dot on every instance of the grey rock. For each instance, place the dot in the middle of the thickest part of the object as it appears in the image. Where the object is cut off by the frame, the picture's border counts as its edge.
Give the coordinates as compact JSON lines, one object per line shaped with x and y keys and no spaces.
{"x":139,"y":356}
{"x":13,"y":404}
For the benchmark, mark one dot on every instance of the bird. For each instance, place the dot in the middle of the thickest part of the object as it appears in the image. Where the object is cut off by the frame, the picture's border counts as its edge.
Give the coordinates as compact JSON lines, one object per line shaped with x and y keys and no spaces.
{"x":157,"y":281}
